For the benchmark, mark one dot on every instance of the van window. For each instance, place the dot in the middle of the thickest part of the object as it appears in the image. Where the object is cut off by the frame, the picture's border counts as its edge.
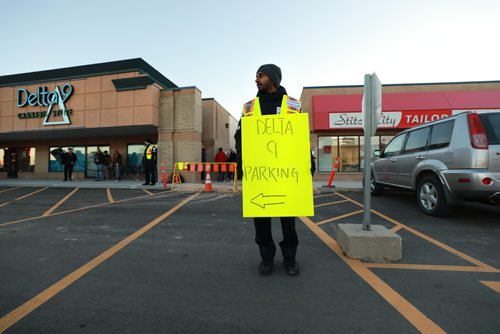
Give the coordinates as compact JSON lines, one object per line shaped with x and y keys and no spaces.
{"x":491,"y":124}
{"x":441,"y":134}
{"x":394,"y":147}
{"x":417,"y":140}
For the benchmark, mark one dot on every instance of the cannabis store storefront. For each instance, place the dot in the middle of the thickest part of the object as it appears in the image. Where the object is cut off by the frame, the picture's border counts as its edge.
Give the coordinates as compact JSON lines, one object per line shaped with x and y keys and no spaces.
{"x":114,"y":106}
{"x":336,"y":120}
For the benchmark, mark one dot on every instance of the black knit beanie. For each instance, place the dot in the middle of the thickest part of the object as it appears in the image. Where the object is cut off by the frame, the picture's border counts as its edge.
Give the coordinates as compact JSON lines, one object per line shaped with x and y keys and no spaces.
{"x":273,"y":72}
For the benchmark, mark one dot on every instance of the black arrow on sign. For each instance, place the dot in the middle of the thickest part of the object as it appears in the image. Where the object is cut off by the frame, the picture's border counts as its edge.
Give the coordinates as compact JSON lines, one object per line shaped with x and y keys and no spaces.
{"x":261,"y":200}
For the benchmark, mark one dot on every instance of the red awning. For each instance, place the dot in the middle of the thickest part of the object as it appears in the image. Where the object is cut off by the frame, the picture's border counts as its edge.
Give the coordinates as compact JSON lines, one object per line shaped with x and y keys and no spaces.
{"x":425,"y":102}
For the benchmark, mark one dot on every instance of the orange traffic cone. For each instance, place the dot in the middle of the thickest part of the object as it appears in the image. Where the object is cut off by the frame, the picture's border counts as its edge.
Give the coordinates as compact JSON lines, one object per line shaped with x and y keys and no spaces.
{"x":208,"y":183}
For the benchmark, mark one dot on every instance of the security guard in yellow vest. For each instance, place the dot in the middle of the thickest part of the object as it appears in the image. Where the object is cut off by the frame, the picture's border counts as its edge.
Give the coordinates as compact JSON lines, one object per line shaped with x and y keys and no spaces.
{"x":149,"y":162}
{"x":271,"y":99}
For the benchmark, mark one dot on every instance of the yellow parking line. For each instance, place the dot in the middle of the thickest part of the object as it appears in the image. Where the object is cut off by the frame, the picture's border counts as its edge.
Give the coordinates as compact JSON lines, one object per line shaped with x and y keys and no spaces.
{"x":4,"y":204}
{"x":58,"y":204}
{"x":421,"y":322}
{"x":425,"y":237}
{"x":25,"y":196}
{"x":110,"y":196}
{"x":396,"y":228}
{"x":330,"y":203}
{"x":79,"y":209}
{"x":5,"y":190}
{"x":147,"y":192}
{"x":327,"y":195}
{"x":432,"y":267}
{"x":492,"y":285}
{"x":339,"y":217}
{"x":23,"y":310}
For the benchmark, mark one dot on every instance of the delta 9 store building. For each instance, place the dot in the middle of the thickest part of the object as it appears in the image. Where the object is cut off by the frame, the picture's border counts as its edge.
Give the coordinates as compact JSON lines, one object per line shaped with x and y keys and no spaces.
{"x":336,"y":118}
{"x":114,"y":106}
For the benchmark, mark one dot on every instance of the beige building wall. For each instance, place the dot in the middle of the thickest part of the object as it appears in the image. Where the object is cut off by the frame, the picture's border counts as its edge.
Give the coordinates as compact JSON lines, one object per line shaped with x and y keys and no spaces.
{"x":233,"y":125}
{"x":218,"y":128}
{"x":180,"y":128}
{"x":95,"y":103}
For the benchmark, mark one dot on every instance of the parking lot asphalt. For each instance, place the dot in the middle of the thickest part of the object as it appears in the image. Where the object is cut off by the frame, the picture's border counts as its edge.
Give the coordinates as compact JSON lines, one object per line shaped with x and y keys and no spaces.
{"x":128,"y":261}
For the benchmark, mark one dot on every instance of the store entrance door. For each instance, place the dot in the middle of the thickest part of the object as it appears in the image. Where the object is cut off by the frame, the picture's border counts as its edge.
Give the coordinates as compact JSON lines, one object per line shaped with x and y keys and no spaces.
{"x":11,"y":162}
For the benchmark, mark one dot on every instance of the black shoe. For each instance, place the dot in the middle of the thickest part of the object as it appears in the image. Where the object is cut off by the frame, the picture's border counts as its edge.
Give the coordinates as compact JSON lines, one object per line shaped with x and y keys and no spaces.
{"x":65,"y":180}
{"x":153,"y":184}
{"x":291,"y":267}
{"x":266,"y":267}
{"x":145,"y":184}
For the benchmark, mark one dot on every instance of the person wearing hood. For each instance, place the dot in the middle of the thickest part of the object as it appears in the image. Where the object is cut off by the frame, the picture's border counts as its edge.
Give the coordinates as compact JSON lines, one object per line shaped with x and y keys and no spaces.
{"x":270,"y":97}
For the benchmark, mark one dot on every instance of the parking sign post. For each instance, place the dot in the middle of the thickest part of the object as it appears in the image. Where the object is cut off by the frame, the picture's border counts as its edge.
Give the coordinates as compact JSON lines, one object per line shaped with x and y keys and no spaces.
{"x":372,"y":108}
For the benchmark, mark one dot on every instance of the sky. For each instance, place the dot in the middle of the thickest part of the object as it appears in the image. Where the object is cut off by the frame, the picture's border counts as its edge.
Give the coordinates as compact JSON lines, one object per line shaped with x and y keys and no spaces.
{"x":217,"y":46}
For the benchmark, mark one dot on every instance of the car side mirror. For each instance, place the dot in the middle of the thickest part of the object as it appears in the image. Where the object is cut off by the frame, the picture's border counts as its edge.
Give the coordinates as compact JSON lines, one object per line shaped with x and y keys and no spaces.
{"x":376,"y":153}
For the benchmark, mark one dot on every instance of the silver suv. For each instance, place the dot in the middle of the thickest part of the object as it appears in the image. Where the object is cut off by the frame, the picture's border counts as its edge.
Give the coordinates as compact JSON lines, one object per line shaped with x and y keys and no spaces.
{"x":445,"y":161}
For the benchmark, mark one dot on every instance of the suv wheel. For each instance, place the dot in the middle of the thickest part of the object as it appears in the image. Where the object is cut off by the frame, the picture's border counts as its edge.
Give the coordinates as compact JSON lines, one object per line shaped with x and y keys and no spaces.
{"x":375,"y":188}
{"x":431,"y":198}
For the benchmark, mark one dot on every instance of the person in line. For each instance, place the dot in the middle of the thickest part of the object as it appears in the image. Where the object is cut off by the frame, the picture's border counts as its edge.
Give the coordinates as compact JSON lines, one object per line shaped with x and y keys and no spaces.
{"x":99,"y":163}
{"x":69,"y":160}
{"x":220,"y":157}
{"x":117,"y":165}
{"x":232,"y":158}
{"x":313,"y":163}
{"x":108,"y":167}
{"x":270,"y":101}
{"x":149,"y":159}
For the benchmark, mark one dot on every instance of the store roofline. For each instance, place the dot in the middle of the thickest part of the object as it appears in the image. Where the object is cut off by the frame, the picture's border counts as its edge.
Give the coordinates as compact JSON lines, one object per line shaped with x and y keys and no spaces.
{"x":180,"y":88}
{"x":407,"y":84}
{"x":76,"y":72}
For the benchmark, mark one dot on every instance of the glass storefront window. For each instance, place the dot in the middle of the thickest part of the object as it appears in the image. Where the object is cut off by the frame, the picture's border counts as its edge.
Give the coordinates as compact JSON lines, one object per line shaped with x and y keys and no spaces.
{"x":134,"y":160}
{"x":327,"y":153}
{"x":56,"y":166}
{"x":349,"y":153}
{"x":2,"y":159}
{"x":32,"y":153}
{"x":89,"y":162}
{"x":17,"y":159}
{"x":351,"y":150}
{"x":27,"y":159}
{"x":134,"y":155}
{"x":80,"y":151}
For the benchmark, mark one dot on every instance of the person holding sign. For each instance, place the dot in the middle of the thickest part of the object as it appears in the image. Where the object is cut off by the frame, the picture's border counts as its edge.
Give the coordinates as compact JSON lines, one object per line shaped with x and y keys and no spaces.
{"x":272,"y":99}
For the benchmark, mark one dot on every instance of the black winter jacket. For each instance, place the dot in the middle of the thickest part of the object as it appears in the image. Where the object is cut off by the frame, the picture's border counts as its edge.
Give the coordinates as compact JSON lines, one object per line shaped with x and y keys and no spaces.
{"x":268,"y":105}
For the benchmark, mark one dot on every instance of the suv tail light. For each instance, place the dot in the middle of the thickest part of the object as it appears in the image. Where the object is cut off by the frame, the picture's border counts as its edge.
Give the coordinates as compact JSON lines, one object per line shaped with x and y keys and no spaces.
{"x":487,"y":181}
{"x":477,"y":133}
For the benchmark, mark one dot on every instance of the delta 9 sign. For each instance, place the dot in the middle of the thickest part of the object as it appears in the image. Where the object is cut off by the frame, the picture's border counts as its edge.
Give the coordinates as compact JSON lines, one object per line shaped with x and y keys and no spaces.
{"x":277,"y":179}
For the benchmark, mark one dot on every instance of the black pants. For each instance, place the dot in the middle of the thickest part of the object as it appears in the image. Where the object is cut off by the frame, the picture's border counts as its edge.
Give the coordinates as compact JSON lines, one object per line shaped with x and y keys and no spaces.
{"x":150,"y":172}
{"x":68,"y":170}
{"x":264,"y":238}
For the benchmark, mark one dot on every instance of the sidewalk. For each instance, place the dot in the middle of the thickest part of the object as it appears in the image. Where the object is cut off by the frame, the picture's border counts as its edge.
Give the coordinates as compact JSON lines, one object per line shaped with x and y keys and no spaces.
{"x":190,"y":187}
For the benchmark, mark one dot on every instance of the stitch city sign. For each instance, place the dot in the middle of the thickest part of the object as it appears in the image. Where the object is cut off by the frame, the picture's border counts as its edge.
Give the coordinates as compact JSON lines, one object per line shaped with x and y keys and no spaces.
{"x":44,"y":98}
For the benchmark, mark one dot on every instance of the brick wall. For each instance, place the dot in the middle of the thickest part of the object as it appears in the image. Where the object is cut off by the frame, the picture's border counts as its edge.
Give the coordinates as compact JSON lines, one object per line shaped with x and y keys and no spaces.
{"x":180,"y":127}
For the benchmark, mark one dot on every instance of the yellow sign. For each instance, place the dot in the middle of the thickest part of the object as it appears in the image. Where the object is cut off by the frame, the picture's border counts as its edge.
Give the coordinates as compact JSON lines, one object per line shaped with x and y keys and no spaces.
{"x":277,"y":179}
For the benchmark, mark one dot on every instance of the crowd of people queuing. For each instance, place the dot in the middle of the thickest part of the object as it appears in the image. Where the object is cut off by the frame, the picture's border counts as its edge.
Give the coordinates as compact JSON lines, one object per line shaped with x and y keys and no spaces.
{"x":221,"y":157}
{"x":109,"y":167}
